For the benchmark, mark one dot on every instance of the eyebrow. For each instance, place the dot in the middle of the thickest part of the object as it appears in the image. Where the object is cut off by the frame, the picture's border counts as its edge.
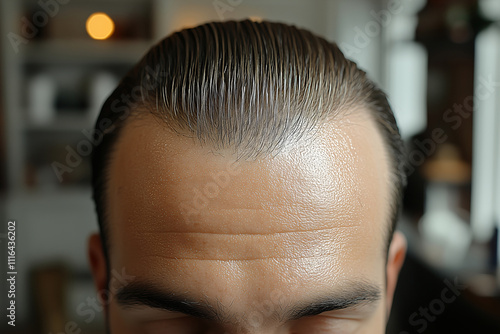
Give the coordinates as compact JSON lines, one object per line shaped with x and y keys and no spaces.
{"x":144,"y":294}
{"x":359,"y":294}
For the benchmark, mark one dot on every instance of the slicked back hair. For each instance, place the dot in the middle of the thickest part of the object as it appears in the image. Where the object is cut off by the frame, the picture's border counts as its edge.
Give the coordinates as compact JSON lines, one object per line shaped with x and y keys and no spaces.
{"x":247,"y":86}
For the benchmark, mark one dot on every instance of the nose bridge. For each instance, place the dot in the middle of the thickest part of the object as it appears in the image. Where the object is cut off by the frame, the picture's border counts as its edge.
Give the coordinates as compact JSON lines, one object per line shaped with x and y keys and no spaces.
{"x":253,"y":328}
{"x":263,"y":297}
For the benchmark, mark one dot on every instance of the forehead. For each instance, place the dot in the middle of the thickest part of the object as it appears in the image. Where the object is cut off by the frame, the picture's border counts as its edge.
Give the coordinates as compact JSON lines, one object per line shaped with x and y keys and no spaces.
{"x":315,"y":214}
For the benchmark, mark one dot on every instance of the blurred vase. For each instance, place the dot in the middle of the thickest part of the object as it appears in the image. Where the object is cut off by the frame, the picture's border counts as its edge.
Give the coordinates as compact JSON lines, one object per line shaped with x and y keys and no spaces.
{"x":444,"y":227}
{"x":102,"y":85}
{"x":41,"y":99}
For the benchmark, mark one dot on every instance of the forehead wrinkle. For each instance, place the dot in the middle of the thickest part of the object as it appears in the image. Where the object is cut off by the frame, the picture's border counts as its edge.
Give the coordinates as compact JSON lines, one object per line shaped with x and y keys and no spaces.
{"x":248,"y":233}
{"x":218,"y":220}
{"x":271,"y":258}
{"x":247,"y":246}
{"x":222,"y":220}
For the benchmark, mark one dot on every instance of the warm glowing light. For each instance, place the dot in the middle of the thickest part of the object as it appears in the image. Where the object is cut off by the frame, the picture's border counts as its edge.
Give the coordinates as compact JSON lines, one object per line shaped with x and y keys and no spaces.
{"x":255,"y":18}
{"x":100,"y":26}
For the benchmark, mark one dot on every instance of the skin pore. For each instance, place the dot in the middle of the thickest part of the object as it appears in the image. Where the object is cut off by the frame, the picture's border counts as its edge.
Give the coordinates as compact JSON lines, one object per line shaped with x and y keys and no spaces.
{"x":290,"y":244}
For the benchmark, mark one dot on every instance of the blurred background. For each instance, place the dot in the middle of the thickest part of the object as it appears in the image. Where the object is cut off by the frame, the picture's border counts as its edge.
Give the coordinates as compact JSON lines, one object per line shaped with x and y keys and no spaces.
{"x":438,"y":60}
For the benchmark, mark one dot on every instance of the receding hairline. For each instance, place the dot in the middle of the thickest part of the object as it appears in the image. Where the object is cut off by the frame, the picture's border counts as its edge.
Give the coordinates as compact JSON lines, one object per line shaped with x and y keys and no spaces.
{"x":241,"y":152}
{"x":168,"y":148}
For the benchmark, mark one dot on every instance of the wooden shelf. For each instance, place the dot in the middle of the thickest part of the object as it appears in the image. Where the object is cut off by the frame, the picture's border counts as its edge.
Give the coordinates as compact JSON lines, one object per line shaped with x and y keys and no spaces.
{"x":62,"y":123}
{"x":57,"y":52}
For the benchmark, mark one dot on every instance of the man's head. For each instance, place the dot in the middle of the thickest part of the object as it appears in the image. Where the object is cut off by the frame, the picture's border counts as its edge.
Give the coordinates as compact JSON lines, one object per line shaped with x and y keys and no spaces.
{"x":248,"y":178}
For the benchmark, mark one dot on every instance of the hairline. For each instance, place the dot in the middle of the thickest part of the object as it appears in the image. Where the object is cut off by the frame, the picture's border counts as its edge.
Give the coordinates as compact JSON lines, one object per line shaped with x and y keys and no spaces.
{"x":393,"y":195}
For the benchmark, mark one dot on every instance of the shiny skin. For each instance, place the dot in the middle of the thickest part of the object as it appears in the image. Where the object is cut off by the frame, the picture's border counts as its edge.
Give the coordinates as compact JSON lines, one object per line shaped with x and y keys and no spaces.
{"x":278,"y":231}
